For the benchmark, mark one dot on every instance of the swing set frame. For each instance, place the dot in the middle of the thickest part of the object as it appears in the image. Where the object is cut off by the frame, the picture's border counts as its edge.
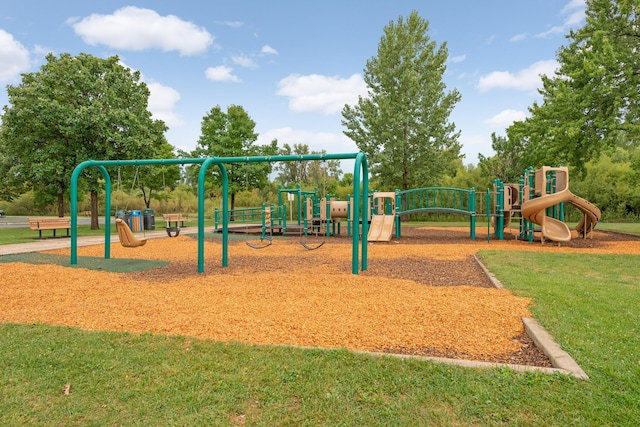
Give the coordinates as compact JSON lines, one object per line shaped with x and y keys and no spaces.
{"x":360,"y":186}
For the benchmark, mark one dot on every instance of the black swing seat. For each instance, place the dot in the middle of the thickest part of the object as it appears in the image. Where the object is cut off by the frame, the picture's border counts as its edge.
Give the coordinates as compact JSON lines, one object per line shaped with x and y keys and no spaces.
{"x":311,"y":248}
{"x":173,"y":231}
{"x":268,"y":240}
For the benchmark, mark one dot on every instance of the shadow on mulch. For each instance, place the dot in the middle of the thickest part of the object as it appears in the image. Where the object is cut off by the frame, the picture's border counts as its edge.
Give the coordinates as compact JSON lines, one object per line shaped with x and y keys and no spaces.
{"x":113,"y":265}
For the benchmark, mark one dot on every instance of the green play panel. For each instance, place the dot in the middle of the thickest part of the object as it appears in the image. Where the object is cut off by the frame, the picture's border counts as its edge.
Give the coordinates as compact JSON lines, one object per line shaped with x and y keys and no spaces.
{"x":113,"y":265}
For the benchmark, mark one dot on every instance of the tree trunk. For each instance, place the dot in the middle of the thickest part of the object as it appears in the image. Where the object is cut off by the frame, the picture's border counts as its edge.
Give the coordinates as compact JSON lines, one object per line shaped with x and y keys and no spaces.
{"x":147,"y":199}
{"x":60,"y":205}
{"x":94,"y":211}
{"x":233,"y":206}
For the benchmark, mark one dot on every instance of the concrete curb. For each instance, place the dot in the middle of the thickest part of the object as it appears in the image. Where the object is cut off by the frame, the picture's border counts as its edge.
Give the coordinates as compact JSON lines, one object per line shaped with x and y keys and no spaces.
{"x":473,"y":363}
{"x":490,"y":275}
{"x":560,"y":360}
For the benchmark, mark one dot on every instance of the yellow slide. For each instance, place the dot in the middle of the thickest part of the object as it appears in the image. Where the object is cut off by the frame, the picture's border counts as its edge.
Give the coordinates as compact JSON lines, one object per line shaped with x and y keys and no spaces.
{"x":553,"y":229}
{"x":381,"y":228}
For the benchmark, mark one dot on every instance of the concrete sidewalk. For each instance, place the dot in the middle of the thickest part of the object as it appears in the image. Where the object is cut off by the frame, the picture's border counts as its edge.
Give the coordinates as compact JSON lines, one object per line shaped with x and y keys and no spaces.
{"x":65,"y":242}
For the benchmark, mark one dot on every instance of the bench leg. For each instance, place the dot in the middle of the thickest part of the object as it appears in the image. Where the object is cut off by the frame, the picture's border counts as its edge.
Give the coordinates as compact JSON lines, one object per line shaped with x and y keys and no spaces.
{"x":40,"y":234}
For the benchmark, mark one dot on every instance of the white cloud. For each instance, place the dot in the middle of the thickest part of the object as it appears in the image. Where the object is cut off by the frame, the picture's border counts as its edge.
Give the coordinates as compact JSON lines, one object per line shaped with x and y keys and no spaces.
{"x":527,"y":79}
{"x":573,"y":4}
{"x":134,"y":28}
{"x":317,"y":141}
{"x":162,"y":100}
{"x":574,"y":12}
{"x":244,"y":61}
{"x":14,"y":58}
{"x":268,"y":50}
{"x":318,"y":93}
{"x":162,"y":103}
{"x":506,"y":118}
{"x":459,"y":58}
{"x":518,"y":37}
{"x":221,"y":73}
{"x":232,"y":24}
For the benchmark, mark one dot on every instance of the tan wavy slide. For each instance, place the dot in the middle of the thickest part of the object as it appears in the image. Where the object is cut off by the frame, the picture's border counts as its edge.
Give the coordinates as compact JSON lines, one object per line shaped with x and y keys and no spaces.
{"x":553,"y":229}
{"x":381,"y":228}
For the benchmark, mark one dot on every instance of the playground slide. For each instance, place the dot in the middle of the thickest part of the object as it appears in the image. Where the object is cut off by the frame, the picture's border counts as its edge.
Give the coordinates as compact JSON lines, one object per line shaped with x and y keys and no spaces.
{"x":381,"y":228}
{"x":590,"y":214}
{"x":553,"y":229}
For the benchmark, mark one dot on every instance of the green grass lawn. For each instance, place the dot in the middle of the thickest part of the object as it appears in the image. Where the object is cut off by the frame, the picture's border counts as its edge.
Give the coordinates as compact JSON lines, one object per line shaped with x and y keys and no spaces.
{"x":25,"y":235}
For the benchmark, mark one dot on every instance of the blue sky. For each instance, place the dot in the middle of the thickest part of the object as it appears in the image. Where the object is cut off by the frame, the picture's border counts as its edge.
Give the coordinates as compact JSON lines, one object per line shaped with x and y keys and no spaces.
{"x":293,"y":64}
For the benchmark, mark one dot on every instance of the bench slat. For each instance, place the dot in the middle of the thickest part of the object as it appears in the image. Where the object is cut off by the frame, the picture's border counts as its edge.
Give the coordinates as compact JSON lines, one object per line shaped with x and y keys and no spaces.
{"x":49,"y":224}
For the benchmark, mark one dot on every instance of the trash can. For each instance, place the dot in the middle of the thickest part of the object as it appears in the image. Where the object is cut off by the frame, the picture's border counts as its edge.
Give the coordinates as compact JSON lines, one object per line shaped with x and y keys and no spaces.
{"x":149,"y":219}
{"x":135,"y":221}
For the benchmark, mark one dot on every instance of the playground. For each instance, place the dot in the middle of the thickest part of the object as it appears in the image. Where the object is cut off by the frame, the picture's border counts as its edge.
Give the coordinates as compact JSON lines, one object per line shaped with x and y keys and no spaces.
{"x":423,"y":294}
{"x":418,"y":290}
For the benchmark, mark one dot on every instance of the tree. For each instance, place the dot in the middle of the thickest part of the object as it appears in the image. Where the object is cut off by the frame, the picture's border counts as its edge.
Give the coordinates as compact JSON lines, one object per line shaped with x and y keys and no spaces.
{"x":508,"y":163}
{"x":403,"y":124}
{"x":315,"y":173}
{"x":75,"y":109}
{"x":293,"y":172}
{"x":154,"y":179}
{"x":231,"y":134}
{"x":594,"y":98}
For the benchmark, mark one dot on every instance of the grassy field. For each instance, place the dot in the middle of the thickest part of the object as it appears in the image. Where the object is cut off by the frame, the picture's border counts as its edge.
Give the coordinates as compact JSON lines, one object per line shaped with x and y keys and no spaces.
{"x":12,"y":235}
{"x":25,"y":235}
{"x":63,"y":376}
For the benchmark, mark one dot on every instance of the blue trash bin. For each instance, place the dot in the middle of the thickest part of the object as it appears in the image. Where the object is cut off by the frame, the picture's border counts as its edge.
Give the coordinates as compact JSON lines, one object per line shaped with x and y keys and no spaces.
{"x":135,"y":221}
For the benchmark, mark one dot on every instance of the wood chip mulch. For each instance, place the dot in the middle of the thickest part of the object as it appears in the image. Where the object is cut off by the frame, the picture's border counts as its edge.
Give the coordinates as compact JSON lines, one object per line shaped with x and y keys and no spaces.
{"x":422,"y":294}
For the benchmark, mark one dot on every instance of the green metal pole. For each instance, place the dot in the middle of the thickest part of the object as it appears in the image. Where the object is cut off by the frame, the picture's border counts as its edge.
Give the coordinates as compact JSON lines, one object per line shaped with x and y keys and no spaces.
{"x":74,"y":209}
{"x":488,"y":202}
{"x":225,"y":212}
{"x":361,"y":163}
{"x":398,"y":213}
{"x":299,"y":204}
{"x":472,"y":206}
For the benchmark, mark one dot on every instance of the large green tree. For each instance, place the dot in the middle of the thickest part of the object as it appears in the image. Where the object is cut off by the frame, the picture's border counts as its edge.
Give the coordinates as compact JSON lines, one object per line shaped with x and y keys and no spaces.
{"x":403,"y":123}
{"x":73,"y":109}
{"x":593,"y":101}
{"x":232,"y":134}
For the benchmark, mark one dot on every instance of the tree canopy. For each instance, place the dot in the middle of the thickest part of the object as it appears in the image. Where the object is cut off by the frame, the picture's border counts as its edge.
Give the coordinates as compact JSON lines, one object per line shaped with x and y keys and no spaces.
{"x":403,"y":122}
{"x":308,"y":173}
{"x":593,"y":101}
{"x":75,"y":108}
{"x":231,"y":134}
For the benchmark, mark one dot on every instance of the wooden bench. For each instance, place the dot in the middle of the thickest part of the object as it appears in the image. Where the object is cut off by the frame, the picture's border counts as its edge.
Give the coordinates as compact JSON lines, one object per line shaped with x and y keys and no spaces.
{"x":49,"y":224}
{"x":175,"y":218}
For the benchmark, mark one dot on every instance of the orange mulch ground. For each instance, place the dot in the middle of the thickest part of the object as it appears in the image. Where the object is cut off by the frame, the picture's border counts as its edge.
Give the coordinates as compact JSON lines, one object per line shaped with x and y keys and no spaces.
{"x":422,"y":294}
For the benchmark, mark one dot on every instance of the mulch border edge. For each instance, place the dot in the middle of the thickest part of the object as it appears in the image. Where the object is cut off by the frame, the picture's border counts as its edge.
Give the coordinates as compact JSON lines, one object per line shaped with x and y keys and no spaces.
{"x":560,"y":360}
